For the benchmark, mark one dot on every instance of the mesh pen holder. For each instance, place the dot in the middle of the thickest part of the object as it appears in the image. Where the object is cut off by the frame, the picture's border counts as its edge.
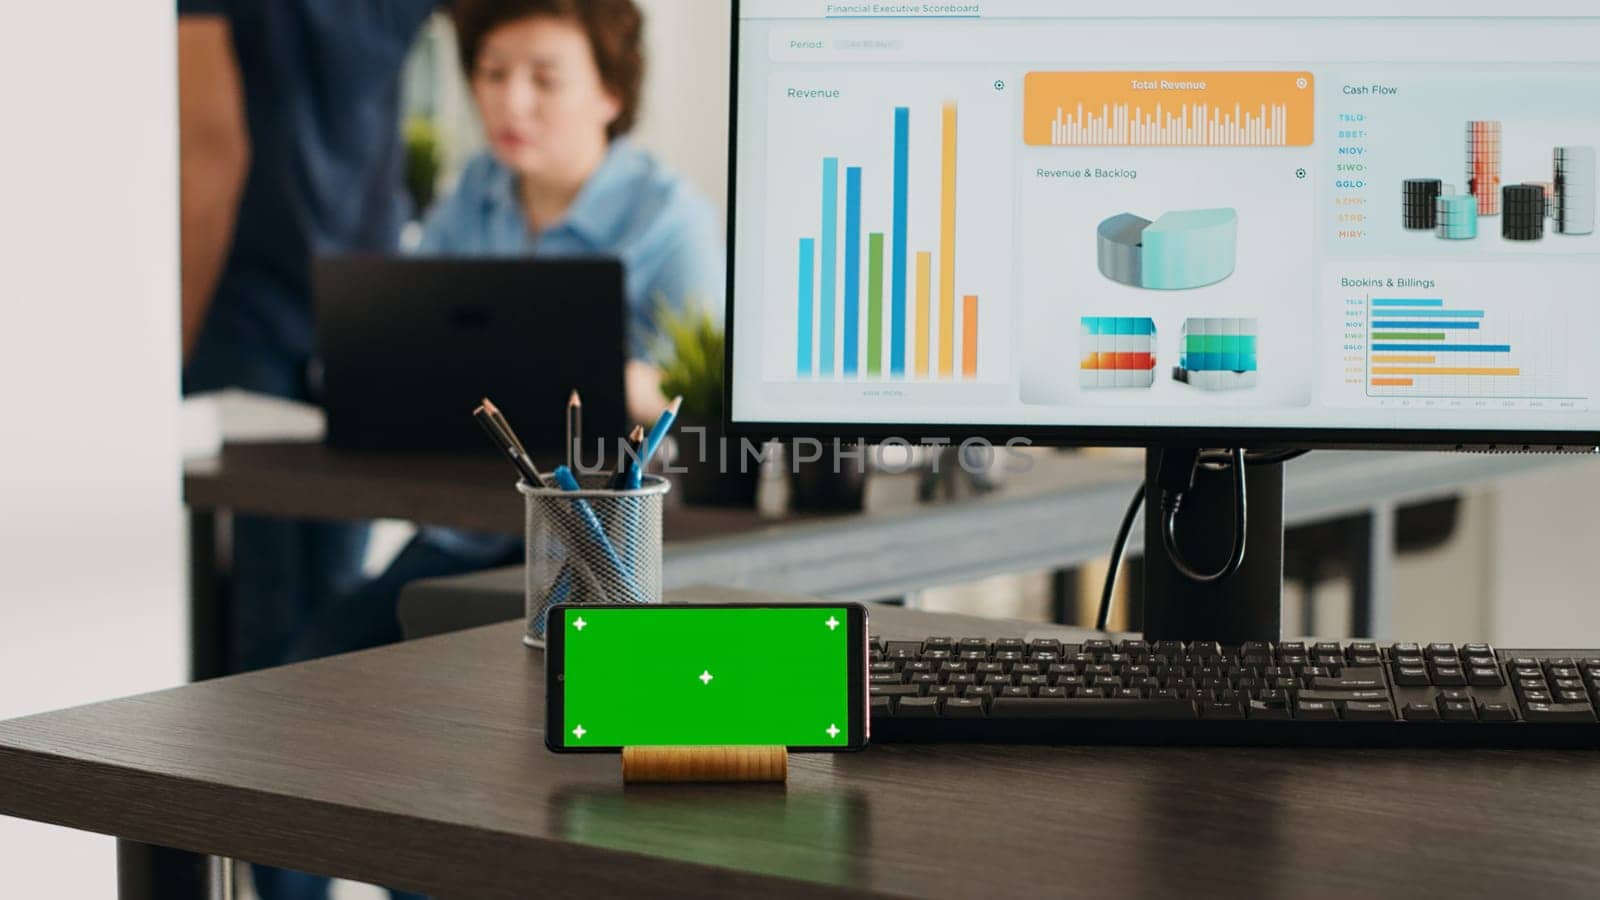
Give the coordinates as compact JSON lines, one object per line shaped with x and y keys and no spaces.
{"x":595,"y":545}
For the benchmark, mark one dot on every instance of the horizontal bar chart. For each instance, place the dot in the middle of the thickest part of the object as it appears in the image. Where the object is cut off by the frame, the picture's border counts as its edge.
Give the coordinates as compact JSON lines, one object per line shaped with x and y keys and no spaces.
{"x":1420,"y":347}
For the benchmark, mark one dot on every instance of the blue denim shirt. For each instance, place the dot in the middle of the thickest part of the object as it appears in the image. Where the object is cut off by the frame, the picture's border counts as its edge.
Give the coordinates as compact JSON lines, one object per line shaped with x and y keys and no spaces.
{"x":666,"y":235}
{"x":631,"y":208}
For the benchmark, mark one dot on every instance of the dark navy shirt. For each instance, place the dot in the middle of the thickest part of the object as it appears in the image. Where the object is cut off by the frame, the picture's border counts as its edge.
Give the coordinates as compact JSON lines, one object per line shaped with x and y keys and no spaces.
{"x":322,"y":101}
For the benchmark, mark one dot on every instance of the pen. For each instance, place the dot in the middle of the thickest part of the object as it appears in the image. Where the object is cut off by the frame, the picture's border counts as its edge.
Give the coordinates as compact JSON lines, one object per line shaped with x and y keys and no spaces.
{"x":507,"y":442}
{"x":574,"y":426}
{"x":652,"y":441}
{"x":564,"y":479}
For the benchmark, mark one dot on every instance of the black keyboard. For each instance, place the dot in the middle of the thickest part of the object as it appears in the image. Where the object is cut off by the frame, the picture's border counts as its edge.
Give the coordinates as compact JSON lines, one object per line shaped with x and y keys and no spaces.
{"x":1170,"y":692}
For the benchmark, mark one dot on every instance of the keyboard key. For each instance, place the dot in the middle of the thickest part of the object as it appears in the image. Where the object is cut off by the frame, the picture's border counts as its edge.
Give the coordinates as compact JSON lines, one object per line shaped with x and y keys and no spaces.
{"x":1484,"y":676}
{"x":943,"y":690}
{"x":881,"y":708}
{"x":917,"y":707}
{"x":963,"y":708}
{"x":912,"y":648}
{"x":1531,"y":697}
{"x":886,"y":678}
{"x":1496,"y":712}
{"x":1052,"y":708}
{"x":1060,"y":692}
{"x":1349,"y":681}
{"x":1477,"y":650}
{"x":978,"y":691}
{"x":879,"y":668}
{"x":1420,"y":712}
{"x":1572,"y":697}
{"x":894,"y":690}
{"x":1445,"y":675}
{"x":1453,"y":695}
{"x":938,"y":643}
{"x":1045,"y":645}
{"x":1405,"y":649}
{"x":1368,"y":711}
{"x":1262,"y":709}
{"x":1011,"y":644}
{"x":1435,"y":651}
{"x":1337,"y":696}
{"x":1410,"y":676}
{"x":1556,"y":713}
{"x":1458,"y":711}
{"x":1316,"y":709}
{"x":1015,"y":690}
{"x":1216,"y":709}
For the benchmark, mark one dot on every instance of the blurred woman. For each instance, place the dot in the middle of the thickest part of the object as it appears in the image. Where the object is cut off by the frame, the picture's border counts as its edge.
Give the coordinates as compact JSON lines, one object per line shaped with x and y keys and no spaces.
{"x":557,"y":84}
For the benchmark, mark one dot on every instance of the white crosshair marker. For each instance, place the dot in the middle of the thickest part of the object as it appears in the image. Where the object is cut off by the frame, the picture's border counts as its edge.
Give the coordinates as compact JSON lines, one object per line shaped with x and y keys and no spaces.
{"x":579,"y":732}
{"x":579,"y":623}
{"x":705,"y":677}
{"x":832,"y":623}
{"x":833,"y":731}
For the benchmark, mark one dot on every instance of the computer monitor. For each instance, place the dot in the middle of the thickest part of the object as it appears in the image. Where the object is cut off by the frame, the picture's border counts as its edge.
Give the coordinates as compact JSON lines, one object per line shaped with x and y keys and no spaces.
{"x":1177,"y":222}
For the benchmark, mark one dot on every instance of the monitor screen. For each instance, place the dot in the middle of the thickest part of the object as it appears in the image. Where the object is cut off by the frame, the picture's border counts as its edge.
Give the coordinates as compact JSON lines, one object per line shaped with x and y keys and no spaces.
{"x":1309,"y":223}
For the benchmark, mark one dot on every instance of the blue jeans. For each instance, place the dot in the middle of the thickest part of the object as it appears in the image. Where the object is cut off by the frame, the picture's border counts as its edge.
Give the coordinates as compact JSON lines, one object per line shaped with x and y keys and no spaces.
{"x":285,"y":571}
{"x":366,"y":617}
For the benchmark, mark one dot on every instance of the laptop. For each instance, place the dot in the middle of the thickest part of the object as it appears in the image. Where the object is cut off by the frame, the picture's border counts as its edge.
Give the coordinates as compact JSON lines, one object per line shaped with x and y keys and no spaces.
{"x":409,"y":346}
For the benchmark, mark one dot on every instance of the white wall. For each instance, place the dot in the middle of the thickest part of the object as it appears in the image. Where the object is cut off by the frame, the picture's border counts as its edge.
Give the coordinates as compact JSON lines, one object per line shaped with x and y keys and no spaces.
{"x":91,"y":552}
{"x":684,"y":112}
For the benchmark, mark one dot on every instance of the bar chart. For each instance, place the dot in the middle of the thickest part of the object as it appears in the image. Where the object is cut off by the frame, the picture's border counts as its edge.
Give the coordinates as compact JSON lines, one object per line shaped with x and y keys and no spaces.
{"x":903,"y":311}
{"x":1203,"y":109}
{"x":1426,"y":347}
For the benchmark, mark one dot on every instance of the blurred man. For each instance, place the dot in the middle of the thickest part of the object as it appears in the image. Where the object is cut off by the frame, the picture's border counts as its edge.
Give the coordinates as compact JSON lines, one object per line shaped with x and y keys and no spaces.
{"x":290,"y":139}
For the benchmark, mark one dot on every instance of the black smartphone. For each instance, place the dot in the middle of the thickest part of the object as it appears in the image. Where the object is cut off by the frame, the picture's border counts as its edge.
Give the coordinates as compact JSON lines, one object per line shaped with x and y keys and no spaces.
{"x":706,"y":674}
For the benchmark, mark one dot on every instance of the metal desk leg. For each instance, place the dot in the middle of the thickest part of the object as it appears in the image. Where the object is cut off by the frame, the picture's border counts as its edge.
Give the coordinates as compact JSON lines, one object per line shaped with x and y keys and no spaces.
{"x":210,"y":624}
{"x":149,"y":872}
{"x":1372,"y":572}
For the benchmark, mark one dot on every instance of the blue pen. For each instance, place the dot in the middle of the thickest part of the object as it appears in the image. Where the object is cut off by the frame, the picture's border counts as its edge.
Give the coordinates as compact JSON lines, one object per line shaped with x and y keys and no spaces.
{"x":652,"y":441}
{"x":565,"y":480}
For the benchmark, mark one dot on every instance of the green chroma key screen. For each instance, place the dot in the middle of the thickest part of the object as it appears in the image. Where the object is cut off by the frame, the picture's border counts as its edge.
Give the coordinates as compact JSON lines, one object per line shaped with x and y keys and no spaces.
{"x":698,"y":676}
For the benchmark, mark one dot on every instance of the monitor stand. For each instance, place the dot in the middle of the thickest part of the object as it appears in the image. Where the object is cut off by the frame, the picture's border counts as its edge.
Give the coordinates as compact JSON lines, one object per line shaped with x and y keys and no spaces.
{"x":1246,"y":606}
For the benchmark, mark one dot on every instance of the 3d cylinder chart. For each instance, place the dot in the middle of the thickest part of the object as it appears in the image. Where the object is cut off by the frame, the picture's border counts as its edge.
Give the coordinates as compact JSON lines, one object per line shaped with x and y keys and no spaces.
{"x":1483,"y":165}
{"x":1182,"y":249}
{"x":1522,"y":212}
{"x":1456,"y":217}
{"x":1117,"y":352}
{"x":1567,"y":199}
{"x":1573,"y":209}
{"x":1219,"y":354}
{"x":1418,"y":202}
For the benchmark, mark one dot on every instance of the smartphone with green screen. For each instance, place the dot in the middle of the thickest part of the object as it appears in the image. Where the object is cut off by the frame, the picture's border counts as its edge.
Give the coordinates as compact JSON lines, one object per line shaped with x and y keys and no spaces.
{"x":712,"y":674}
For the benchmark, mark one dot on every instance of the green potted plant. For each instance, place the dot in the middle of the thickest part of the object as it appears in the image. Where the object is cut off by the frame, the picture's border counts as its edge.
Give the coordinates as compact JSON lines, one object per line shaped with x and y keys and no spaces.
{"x":424,"y":160}
{"x":692,"y":348}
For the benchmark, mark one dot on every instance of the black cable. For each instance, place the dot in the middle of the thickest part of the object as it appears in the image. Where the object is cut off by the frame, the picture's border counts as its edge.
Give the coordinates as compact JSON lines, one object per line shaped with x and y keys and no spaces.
{"x":1117,"y":547}
{"x":1172,"y":502}
{"x":1212,"y":460}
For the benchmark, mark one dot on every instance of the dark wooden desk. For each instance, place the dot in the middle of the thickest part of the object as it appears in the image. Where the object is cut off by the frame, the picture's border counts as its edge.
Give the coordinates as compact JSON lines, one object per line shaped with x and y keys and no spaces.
{"x":421,"y":765}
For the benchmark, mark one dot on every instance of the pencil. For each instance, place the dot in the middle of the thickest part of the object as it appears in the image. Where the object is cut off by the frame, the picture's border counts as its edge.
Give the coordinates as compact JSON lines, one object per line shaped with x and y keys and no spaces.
{"x":635,"y":446}
{"x":500,"y":420}
{"x":574,"y":426}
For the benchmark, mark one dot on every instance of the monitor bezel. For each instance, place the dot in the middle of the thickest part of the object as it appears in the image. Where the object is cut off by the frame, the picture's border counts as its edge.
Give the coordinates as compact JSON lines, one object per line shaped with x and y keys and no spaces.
{"x":1274,"y":437}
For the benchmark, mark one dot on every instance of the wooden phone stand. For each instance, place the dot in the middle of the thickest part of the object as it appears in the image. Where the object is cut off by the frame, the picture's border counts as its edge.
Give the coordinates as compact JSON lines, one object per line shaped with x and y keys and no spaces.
{"x":715,"y":764}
